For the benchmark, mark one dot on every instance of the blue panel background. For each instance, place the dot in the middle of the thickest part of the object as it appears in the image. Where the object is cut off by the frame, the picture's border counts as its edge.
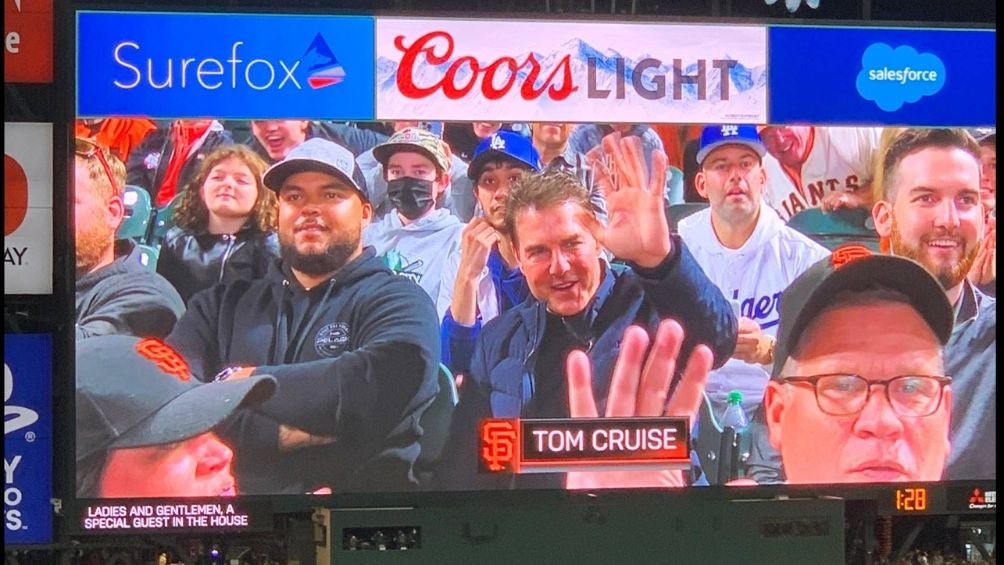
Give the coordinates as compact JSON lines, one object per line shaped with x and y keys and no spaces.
{"x":270,"y":37}
{"x":813,"y":73}
{"x":29,"y":357}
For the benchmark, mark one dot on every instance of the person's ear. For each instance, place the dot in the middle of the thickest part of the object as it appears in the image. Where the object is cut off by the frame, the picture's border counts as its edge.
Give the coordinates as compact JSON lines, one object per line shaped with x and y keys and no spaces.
{"x":115,"y":211}
{"x":701,"y":184}
{"x":773,"y":403}
{"x":367,"y":213}
{"x":882,"y":216}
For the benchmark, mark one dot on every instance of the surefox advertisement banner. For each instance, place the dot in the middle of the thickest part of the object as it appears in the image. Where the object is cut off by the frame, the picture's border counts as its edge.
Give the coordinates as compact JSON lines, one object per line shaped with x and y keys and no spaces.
{"x":161,"y":65}
{"x":570,"y":72}
{"x":27,"y":438}
{"x":27,"y":208}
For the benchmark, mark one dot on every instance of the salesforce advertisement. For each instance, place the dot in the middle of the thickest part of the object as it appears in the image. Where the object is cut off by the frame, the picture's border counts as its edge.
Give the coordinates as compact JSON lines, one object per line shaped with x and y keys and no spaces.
{"x":883,"y":76}
{"x":250,"y":66}
{"x":27,"y":438}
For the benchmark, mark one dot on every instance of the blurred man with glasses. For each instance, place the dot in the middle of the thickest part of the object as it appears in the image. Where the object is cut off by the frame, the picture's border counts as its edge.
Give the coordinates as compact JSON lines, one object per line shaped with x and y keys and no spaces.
{"x":115,"y":292}
{"x":859,"y":392}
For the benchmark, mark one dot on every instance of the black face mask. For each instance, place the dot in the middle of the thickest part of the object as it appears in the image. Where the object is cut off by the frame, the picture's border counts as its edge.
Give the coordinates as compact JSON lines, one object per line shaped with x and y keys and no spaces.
{"x":412,"y":197}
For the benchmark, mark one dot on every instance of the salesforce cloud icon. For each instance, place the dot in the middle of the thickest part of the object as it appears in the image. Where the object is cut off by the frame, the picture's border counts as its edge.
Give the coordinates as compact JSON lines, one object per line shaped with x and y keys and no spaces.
{"x":892,"y":77}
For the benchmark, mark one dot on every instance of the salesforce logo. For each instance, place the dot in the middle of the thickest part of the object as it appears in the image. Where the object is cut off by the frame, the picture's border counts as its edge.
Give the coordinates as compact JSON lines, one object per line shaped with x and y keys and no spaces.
{"x":892,"y":77}
{"x":318,"y":65}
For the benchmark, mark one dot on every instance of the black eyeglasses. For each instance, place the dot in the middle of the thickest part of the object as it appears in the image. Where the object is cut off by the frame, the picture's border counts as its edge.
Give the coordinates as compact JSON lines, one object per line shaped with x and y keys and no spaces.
{"x":89,"y":149}
{"x":841,"y":394}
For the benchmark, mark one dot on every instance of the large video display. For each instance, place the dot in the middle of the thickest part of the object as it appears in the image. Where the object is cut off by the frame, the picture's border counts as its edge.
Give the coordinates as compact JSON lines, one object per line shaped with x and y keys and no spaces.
{"x":312,"y":270}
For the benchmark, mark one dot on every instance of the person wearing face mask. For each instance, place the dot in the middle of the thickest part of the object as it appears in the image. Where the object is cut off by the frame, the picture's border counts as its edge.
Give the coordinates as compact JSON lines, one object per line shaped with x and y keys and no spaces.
{"x":416,"y":238}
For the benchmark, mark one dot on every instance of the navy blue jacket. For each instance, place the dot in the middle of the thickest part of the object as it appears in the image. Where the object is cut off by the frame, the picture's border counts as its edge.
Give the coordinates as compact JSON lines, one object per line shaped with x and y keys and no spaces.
{"x":502,"y":379}
{"x":355,"y":358}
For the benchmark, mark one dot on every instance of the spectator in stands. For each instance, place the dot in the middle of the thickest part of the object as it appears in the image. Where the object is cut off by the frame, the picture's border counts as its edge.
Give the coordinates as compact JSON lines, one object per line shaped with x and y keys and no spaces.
{"x":984,"y":271}
{"x":987,"y":138}
{"x":747,"y":251}
{"x":170,"y":156}
{"x":458,"y":199}
{"x":551,"y":141}
{"x":858,"y":390}
{"x":581,"y":302}
{"x":819,"y":167}
{"x":488,"y":279}
{"x":587,"y":139}
{"x":416,"y":239}
{"x":145,"y":428}
{"x":224,"y":226}
{"x":352,"y":346}
{"x":273,"y":139}
{"x":119,"y":136}
{"x":465,"y":137}
{"x":115,"y":292}
{"x":931,"y":212}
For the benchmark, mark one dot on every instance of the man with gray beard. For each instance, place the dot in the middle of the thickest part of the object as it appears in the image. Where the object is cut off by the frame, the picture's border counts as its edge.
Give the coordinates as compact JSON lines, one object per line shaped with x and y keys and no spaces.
{"x":353,"y":347}
{"x":115,"y":292}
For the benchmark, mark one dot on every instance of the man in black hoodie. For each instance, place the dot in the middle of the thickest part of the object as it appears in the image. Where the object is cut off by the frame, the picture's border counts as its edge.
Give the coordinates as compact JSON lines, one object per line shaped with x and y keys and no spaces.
{"x":354,"y":348}
{"x":115,"y":292}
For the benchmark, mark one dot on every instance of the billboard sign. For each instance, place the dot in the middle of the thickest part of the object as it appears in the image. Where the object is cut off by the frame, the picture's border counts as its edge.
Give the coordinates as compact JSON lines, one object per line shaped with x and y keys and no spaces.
{"x":27,"y":438}
{"x":27,"y":31}
{"x":922,"y":77}
{"x":27,"y":206}
{"x":161,"y":65}
{"x":570,"y":72}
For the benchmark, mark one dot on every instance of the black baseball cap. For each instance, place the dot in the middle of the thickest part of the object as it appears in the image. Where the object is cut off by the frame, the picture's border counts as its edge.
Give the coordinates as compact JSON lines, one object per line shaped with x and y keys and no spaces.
{"x":852,"y":268}
{"x":134,"y":392}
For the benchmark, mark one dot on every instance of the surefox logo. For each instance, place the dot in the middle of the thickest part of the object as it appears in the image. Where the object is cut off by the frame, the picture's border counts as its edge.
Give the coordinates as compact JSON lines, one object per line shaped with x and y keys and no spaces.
{"x":321,"y":68}
{"x":14,"y":417}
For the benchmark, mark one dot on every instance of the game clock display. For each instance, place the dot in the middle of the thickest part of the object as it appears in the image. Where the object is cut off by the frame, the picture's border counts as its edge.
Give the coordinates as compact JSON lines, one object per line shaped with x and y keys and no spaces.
{"x":911,"y":499}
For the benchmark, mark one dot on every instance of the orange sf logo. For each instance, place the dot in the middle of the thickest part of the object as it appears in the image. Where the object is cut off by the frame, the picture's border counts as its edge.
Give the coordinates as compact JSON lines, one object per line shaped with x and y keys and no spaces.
{"x":498,"y":444}
{"x":847,"y":253}
{"x":166,"y":358}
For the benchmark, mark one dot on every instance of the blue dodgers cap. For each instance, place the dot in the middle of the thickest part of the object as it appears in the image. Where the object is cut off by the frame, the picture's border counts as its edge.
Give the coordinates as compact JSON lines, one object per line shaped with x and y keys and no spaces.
{"x":713,"y":137}
{"x":319,"y":155}
{"x":504,"y":145}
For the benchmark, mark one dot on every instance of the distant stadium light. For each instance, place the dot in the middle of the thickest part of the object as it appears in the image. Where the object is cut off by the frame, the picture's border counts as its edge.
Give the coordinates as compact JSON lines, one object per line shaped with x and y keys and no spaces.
{"x":793,"y":5}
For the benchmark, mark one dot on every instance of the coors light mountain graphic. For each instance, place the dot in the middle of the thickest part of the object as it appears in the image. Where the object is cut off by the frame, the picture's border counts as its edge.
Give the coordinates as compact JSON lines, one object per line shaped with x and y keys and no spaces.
{"x":323,"y":67}
{"x":746,"y":85}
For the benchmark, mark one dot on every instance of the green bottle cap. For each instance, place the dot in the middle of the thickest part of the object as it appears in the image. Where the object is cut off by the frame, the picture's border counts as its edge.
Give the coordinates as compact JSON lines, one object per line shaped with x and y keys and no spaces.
{"x":735,"y":397}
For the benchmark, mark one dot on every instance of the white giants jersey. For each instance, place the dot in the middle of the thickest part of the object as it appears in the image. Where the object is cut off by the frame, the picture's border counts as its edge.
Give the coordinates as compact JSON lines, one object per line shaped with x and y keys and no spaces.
{"x":840,"y":159}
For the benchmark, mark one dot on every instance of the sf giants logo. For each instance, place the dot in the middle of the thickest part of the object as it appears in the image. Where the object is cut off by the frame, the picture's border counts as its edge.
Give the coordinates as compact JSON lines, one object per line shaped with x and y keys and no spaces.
{"x":167,"y":359}
{"x":436,"y":48}
{"x":847,"y":253}
{"x":499,"y":448}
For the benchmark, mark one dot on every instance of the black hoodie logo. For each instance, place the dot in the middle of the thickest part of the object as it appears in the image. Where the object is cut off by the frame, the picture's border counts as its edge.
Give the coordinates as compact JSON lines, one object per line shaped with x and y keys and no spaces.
{"x":332,"y":339}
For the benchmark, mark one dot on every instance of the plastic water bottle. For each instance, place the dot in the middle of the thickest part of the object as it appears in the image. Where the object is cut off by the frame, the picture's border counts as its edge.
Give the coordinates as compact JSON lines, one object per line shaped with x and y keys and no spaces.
{"x":734,"y":423}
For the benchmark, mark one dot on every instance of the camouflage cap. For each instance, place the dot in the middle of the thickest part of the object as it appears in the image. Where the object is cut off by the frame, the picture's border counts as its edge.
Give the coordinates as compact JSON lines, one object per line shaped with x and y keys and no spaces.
{"x":416,"y":140}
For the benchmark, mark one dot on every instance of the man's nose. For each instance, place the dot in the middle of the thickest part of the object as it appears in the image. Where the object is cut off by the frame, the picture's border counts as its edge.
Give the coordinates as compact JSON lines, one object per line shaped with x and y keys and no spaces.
{"x":947,"y":214}
{"x":559,"y":263}
{"x":877,"y":418}
{"x":214,"y":455}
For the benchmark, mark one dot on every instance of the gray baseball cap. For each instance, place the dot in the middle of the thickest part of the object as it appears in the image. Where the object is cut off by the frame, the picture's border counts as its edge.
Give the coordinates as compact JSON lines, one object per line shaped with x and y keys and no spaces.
{"x":318,"y":155}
